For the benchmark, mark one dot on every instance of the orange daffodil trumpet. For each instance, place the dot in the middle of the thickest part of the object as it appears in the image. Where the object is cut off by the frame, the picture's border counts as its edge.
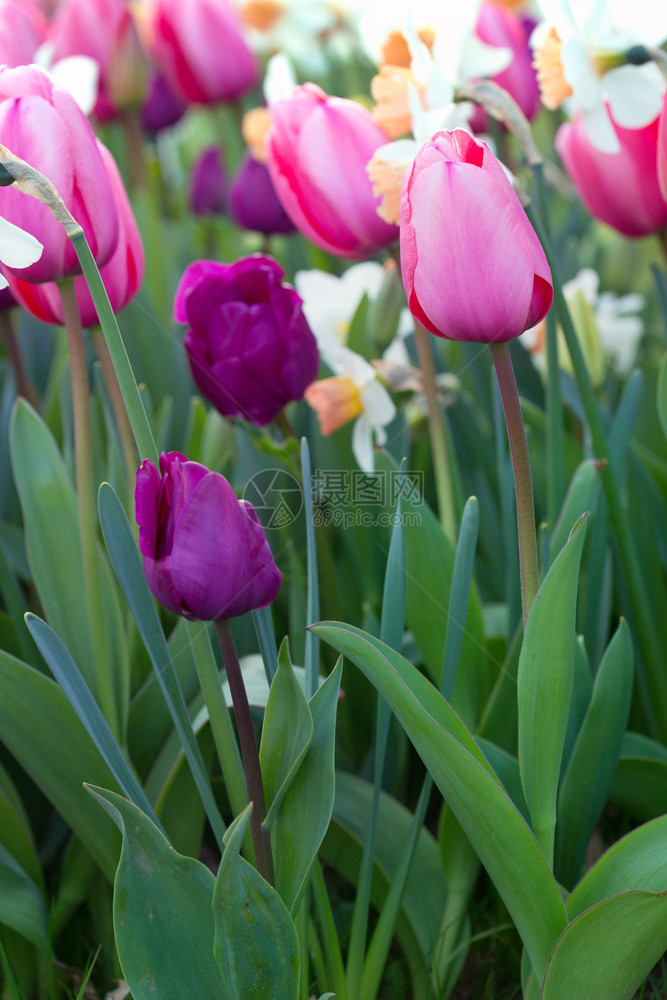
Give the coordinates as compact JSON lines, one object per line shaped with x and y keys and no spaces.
{"x":581,"y":55}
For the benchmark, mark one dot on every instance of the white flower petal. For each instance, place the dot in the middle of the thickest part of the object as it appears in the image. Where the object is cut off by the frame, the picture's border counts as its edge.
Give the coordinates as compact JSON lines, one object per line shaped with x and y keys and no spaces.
{"x":80,"y":76}
{"x":377,"y":403}
{"x":18,"y":248}
{"x":599,"y":129}
{"x":362,"y":444}
{"x":279,"y":79}
{"x":635,"y":94}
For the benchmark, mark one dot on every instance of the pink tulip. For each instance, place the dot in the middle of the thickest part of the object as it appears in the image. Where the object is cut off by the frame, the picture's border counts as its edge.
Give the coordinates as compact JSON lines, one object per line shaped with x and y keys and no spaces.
{"x":200,"y":48}
{"x":498,"y":26}
{"x":662,"y":150}
{"x":43,"y":124}
{"x":472,"y":266}
{"x":122,"y":275}
{"x":23,"y":28}
{"x":621,"y":189}
{"x":105,"y":31}
{"x":317,"y":151}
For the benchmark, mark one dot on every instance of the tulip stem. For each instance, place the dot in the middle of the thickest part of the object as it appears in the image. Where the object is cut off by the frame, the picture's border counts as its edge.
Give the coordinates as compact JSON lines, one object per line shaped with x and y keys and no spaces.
{"x":523,"y":484}
{"x":438,"y":435}
{"x":23,"y":385}
{"x":86,"y":496}
{"x":124,"y":427}
{"x":249,"y":754}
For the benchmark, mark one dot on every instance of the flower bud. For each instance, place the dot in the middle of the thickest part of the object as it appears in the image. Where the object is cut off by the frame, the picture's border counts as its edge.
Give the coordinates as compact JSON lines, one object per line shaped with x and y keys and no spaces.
{"x":208,"y":183}
{"x":253,"y":202}
{"x":205,"y":553}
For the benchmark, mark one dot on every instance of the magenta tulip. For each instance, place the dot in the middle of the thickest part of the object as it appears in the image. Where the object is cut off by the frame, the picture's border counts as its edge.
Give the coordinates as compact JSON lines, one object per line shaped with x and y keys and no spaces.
{"x":621,"y":189}
{"x":105,"y":31}
{"x":43,"y":124}
{"x":253,"y":202}
{"x":662,"y":150}
{"x":23,"y":29}
{"x":205,"y":553}
{"x":498,"y":26}
{"x":200,"y":48}
{"x":122,"y":275}
{"x":317,"y":151}
{"x":472,"y":266}
{"x":249,"y":346}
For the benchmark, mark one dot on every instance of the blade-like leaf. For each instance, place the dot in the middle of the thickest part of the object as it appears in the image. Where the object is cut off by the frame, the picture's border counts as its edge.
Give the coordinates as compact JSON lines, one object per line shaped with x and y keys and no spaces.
{"x":286,"y":734}
{"x":256,"y":944}
{"x":163,"y":919}
{"x":22,"y":905}
{"x":544,"y":687}
{"x":498,"y":833}
{"x":609,"y":950}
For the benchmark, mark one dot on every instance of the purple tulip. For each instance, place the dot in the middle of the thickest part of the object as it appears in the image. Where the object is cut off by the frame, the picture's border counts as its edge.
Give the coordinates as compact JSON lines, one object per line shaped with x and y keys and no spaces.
{"x":208,"y":183}
{"x":250,"y":348}
{"x":205,"y":553}
{"x":253,"y":202}
{"x":162,"y":107}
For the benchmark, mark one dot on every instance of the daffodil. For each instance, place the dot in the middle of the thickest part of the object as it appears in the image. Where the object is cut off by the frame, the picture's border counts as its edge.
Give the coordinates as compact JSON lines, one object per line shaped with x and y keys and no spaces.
{"x":17,"y":248}
{"x":581,"y":60}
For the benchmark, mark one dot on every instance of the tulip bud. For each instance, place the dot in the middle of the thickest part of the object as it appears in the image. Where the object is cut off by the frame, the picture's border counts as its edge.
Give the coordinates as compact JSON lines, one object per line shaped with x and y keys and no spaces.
{"x":662,"y":150}
{"x":122,"y":275}
{"x":162,"y":107}
{"x":472,"y":266}
{"x":253,"y":202}
{"x":43,"y":125}
{"x":200,"y":48}
{"x":498,"y":26}
{"x":205,"y":553}
{"x":621,"y":189}
{"x":208,"y":183}
{"x":249,"y":346}
{"x":317,"y":150}
{"x":23,"y":29}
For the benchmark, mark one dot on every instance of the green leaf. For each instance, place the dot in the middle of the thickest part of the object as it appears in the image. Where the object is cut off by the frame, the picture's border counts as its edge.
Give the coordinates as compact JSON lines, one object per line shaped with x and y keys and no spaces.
{"x":305,"y":812}
{"x":609,"y":950}
{"x":636,"y":862}
{"x":286,"y":734}
{"x":22,"y":905}
{"x":640,"y":784}
{"x":41,"y":730}
{"x":256,"y":944}
{"x":590,"y":772}
{"x":579,"y":500}
{"x":496,"y":830}
{"x":163,"y":920}
{"x":544,"y":687}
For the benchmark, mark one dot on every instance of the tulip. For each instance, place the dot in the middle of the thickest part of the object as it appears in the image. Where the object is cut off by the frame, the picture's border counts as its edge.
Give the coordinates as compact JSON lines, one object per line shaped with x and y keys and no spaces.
{"x":105,"y":31}
{"x":621,"y":189}
{"x":502,"y":28}
{"x":41,"y":123}
{"x":472,"y":266}
{"x":23,"y":29}
{"x":122,"y":275}
{"x":662,"y":150}
{"x":253,"y":202}
{"x":249,"y":346}
{"x":317,"y":150}
{"x":205,"y":553}
{"x":200,"y":48}
{"x":208,"y":183}
{"x":162,"y":107}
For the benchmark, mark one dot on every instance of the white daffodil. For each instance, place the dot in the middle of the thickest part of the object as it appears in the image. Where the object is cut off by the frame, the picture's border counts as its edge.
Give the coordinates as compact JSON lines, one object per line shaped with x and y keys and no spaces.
{"x":330,"y":302}
{"x":608,"y":327}
{"x":580,"y":58}
{"x":78,"y":75}
{"x":300,"y":29}
{"x":354,"y":392}
{"x":17,"y":248}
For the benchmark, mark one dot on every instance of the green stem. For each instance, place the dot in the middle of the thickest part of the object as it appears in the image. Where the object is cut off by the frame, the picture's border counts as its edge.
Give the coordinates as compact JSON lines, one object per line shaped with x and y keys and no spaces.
{"x":523,"y":484}
{"x":123,"y":424}
{"x":220,"y":722}
{"x":135,"y":408}
{"x":555,"y":436}
{"x":87,"y":500}
{"x":23,"y":385}
{"x":249,"y":753}
{"x":438,"y":434}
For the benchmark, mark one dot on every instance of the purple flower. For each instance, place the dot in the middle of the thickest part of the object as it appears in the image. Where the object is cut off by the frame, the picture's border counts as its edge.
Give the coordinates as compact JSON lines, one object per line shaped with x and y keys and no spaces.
{"x":250,"y":348}
{"x":205,"y":553}
{"x":162,"y":107}
{"x":208,"y":183}
{"x":253,"y":202}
